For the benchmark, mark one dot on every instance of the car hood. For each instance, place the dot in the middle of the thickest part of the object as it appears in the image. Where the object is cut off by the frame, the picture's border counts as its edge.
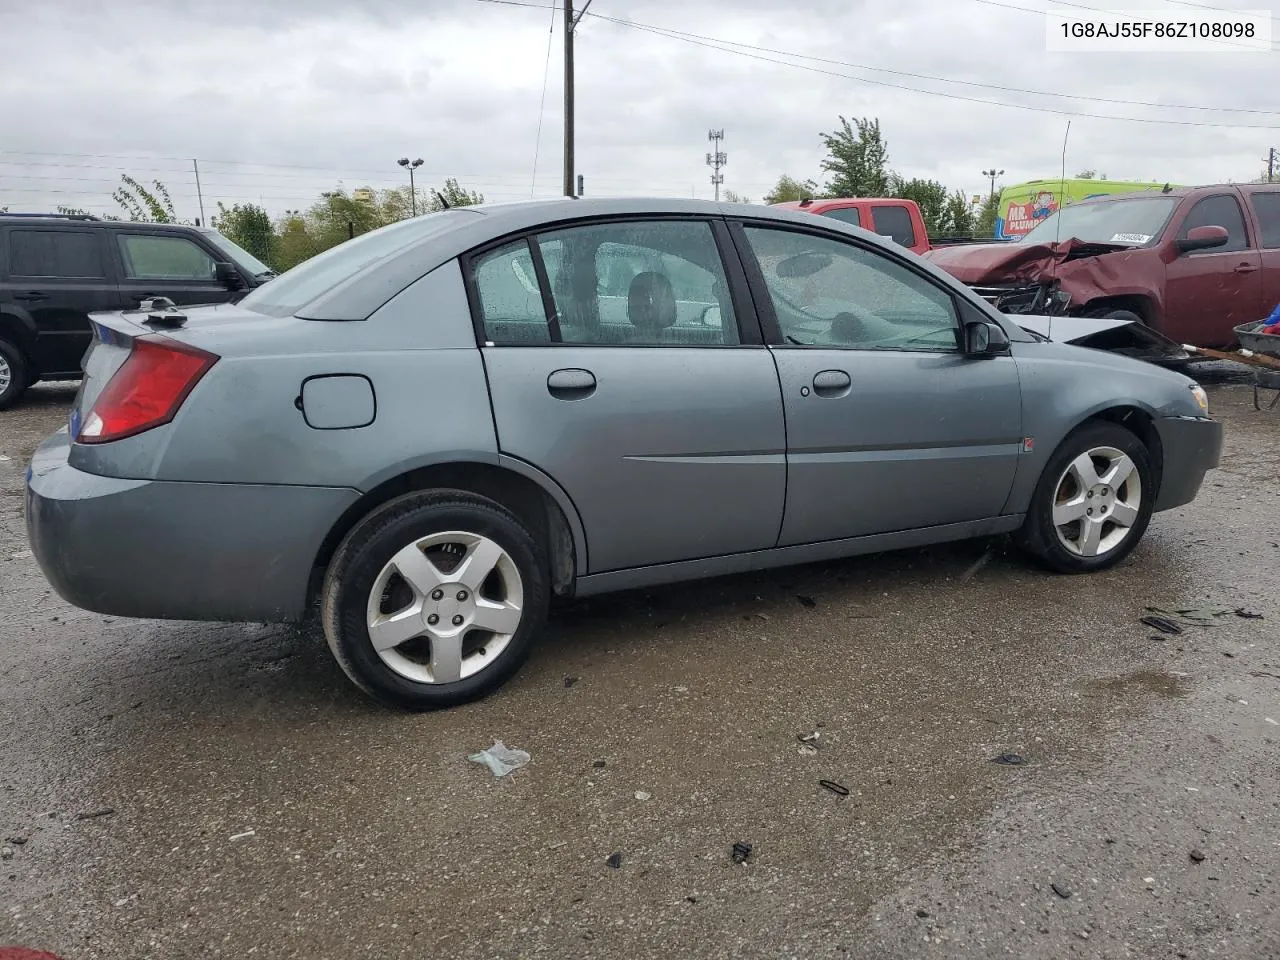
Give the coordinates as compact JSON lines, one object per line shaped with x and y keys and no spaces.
{"x":1014,"y":262}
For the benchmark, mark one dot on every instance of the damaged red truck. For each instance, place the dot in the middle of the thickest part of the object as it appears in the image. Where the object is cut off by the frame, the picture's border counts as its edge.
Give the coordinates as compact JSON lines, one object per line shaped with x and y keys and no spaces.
{"x":1191,"y":264}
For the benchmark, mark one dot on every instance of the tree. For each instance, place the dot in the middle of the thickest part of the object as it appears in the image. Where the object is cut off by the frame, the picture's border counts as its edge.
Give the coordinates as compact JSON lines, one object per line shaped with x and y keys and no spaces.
{"x":929,"y":195}
{"x":732,"y":196}
{"x":986,"y":225}
{"x":1087,"y":175}
{"x":143,"y":205}
{"x":857,"y":159}
{"x":788,"y":189}
{"x":958,"y":216}
{"x":249,"y":226}
{"x":454,"y":195}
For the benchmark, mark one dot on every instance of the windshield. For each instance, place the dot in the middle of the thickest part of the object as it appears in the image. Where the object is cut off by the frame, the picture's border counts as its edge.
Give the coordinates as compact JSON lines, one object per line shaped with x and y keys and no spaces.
{"x":242,"y":257}
{"x":1135,"y":221}
{"x":295,"y":288}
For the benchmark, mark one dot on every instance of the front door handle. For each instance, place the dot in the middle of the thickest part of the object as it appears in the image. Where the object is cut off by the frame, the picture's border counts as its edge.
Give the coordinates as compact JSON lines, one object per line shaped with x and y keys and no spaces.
{"x":1246,"y":268}
{"x":571,"y":384}
{"x":32,"y":295}
{"x":831,"y":383}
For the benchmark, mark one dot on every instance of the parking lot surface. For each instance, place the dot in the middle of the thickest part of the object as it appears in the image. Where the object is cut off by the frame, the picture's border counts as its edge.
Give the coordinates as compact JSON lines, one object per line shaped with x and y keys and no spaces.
{"x":220,"y":790}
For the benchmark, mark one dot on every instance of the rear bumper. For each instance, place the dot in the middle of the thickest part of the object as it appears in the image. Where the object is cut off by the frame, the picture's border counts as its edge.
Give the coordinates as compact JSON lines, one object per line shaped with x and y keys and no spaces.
{"x":178,"y":551}
{"x":1191,"y":449}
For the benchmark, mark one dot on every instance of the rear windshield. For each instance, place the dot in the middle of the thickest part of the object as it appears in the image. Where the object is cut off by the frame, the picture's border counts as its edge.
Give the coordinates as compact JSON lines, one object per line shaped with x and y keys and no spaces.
{"x":294,"y":289}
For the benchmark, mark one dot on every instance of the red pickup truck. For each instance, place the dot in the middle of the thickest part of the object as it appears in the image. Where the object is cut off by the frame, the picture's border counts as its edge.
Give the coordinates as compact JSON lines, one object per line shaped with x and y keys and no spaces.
{"x":899,"y":220}
{"x":1191,"y":264}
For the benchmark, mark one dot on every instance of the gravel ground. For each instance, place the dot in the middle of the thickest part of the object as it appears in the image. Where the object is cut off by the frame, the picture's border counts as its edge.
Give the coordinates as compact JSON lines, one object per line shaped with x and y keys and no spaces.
{"x":260,"y":807}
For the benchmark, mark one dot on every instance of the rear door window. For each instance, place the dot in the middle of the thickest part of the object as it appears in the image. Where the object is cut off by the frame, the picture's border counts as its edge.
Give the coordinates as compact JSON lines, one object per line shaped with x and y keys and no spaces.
{"x":894,"y":220}
{"x":1220,"y":211}
{"x":1267,"y":207}
{"x":845,"y":215}
{"x":55,"y":253}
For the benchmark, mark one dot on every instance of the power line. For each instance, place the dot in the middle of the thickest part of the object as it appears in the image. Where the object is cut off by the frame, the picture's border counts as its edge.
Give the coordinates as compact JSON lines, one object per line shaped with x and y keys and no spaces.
{"x":542,"y":103}
{"x":1205,"y":6}
{"x":716,"y":43}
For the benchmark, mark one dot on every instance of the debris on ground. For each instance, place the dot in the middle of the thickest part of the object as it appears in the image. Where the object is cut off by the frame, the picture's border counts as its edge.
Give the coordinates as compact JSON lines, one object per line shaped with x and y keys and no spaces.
{"x":570,"y":681}
{"x":922,"y":913}
{"x":244,"y":835}
{"x":598,"y":764}
{"x":808,"y":750}
{"x":1246,"y":614}
{"x":6,"y":853}
{"x":977,"y":565}
{"x":813,"y":737}
{"x":95,"y":814}
{"x":615,"y":860}
{"x":643,"y":795}
{"x":17,"y":840}
{"x":500,"y":759}
{"x":1061,"y":890}
{"x":741,"y":851}
{"x":1197,"y":856}
{"x":837,"y":788}
{"x":806,"y":601}
{"x":20,"y":555}
{"x":1163,"y":624}
{"x":1009,"y":760}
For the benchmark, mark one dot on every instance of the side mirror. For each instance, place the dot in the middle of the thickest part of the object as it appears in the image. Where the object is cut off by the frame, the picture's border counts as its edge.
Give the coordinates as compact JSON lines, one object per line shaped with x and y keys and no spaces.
{"x":1202,"y":238}
{"x":226,"y":273}
{"x":985,"y":339}
{"x":711,"y":316}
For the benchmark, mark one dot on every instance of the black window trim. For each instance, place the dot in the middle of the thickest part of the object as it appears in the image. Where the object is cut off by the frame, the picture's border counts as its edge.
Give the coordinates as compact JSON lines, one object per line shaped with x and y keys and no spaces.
{"x":125,"y":262}
{"x":764,"y":300}
{"x":1249,"y":239}
{"x":750,"y":330}
{"x":104,"y":262}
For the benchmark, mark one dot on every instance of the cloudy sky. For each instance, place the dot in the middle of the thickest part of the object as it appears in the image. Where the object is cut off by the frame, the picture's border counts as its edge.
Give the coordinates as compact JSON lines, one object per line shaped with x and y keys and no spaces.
{"x":280,"y":99}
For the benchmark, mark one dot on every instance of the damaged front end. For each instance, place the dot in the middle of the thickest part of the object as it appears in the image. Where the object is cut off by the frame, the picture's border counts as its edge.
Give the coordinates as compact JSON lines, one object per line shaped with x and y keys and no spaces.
{"x":1076,"y":285}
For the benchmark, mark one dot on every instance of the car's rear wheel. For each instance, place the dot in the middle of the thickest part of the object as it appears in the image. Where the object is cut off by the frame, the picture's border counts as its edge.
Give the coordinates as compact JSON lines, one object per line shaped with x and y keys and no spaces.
{"x":1093,"y":502}
{"x":13,"y":373}
{"x":434,"y":599}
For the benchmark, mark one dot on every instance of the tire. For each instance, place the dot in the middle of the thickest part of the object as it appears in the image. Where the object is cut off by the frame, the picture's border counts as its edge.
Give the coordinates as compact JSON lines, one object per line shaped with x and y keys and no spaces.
{"x":14,"y":374}
{"x":422,"y":671}
{"x":1066,"y":549}
{"x":1127,"y":315}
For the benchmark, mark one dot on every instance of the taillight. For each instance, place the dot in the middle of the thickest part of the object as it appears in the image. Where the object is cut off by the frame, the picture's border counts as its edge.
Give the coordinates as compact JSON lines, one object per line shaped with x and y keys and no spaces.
{"x":147,"y":391}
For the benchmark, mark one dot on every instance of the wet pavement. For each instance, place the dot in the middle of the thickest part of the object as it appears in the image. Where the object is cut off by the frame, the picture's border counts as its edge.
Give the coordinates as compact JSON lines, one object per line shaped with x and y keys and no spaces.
{"x":260,"y":807}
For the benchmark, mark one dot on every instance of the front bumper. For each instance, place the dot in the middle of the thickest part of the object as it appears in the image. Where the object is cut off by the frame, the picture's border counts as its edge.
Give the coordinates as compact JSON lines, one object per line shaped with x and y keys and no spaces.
{"x":177,"y":551}
{"x":1191,"y":448}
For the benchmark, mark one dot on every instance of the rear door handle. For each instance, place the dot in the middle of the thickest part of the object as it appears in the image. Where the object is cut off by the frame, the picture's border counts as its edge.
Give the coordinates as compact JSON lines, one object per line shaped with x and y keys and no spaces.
{"x":831,"y":383}
{"x":1246,"y":268}
{"x":33,"y":295}
{"x":571,"y":384}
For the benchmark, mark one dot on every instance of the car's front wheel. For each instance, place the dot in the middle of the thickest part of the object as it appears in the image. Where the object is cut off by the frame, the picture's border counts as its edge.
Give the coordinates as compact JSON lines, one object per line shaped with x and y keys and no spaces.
{"x":433,"y":600}
{"x":1093,"y":502}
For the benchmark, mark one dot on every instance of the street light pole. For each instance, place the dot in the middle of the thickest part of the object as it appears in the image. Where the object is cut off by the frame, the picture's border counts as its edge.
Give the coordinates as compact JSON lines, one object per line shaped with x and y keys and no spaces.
{"x":413,"y":193}
{"x":993,"y":173}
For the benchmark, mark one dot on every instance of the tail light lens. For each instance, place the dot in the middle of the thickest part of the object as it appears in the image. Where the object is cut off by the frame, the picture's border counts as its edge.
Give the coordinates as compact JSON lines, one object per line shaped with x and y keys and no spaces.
{"x":147,"y":391}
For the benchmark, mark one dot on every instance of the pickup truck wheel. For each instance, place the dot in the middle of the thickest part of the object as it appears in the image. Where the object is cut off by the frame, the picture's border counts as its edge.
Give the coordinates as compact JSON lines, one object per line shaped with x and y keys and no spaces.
{"x":1093,"y":502}
{"x":13,"y":374}
{"x":1127,"y":315}
{"x":434,"y":599}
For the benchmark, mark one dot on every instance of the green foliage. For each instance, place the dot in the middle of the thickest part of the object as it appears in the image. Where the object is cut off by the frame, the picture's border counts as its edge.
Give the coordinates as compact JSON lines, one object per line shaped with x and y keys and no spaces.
{"x":733,"y":196}
{"x":143,"y":205}
{"x":249,"y":226}
{"x":454,"y":195}
{"x":788,"y":190}
{"x":857,"y":160}
{"x":986,"y":224}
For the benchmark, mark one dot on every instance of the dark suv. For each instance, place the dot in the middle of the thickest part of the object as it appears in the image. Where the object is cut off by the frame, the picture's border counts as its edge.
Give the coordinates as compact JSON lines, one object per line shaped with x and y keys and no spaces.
{"x":57,"y":269}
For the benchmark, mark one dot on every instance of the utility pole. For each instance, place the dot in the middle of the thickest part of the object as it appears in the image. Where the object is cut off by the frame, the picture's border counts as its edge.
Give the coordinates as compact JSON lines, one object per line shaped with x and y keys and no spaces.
{"x":993,"y":173}
{"x":570,"y":25}
{"x":716,"y":159}
{"x":1271,"y":165}
{"x":200,"y":195}
{"x":413,"y":193}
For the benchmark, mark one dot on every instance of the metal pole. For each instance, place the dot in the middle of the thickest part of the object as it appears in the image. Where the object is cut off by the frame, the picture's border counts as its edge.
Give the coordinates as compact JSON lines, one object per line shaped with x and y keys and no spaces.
{"x":568,"y":98}
{"x":413,"y":193}
{"x":200,"y":195}
{"x":580,"y":190}
{"x":1271,"y":165}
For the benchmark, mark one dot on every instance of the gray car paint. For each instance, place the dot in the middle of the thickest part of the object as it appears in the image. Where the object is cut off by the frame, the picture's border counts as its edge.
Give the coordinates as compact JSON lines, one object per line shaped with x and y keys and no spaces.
{"x":227,"y":506}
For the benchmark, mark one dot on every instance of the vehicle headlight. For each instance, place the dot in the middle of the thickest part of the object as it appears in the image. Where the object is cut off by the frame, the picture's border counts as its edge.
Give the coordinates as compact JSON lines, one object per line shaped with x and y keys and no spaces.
{"x":1202,"y":398}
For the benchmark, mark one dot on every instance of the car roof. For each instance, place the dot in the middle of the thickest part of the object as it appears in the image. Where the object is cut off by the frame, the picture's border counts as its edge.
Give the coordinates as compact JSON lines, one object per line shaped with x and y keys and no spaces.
{"x":80,"y":221}
{"x":357,"y":296}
